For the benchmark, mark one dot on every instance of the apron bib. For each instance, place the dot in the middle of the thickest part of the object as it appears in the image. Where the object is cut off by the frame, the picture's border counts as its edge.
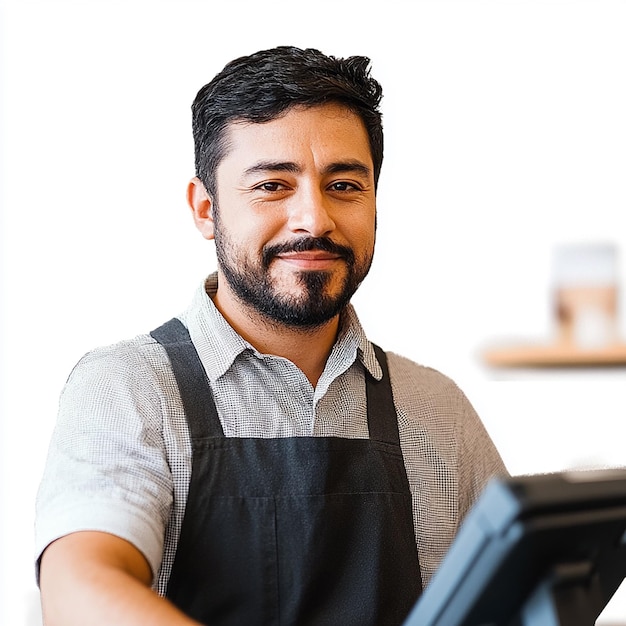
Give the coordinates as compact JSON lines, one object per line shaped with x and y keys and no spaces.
{"x":295,"y":530}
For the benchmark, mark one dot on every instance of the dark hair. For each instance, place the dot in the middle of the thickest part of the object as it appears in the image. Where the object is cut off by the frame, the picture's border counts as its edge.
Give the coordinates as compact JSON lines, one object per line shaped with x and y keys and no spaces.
{"x":260,"y":87}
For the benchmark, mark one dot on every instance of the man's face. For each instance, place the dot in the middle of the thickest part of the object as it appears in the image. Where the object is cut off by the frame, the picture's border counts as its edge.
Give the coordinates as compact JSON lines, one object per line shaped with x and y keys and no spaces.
{"x":294,"y":224}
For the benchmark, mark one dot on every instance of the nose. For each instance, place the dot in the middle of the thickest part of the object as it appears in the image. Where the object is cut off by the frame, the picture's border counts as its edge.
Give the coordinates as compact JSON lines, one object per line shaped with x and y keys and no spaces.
{"x":310,"y":212}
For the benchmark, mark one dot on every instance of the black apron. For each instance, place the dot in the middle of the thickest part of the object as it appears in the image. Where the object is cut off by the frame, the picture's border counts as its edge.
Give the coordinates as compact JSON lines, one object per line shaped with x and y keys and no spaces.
{"x":295,"y":530}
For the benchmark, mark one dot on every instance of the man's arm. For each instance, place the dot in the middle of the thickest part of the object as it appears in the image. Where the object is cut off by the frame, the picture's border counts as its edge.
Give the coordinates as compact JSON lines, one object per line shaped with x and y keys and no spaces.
{"x":93,"y":578}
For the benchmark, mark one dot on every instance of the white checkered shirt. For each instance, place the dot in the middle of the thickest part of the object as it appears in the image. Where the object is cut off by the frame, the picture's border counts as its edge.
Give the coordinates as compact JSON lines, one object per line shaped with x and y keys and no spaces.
{"x":120,"y":456}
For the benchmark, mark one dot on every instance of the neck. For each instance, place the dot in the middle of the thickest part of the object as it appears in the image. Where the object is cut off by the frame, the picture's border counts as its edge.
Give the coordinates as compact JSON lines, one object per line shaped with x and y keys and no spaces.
{"x":307,"y":348}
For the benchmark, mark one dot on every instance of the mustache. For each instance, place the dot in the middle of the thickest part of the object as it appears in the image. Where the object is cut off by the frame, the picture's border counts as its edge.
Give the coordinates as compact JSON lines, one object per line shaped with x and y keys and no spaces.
{"x":306,"y":244}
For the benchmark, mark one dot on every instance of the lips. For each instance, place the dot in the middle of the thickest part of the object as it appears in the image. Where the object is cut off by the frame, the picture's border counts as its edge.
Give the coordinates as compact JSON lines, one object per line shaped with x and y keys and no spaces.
{"x":311,"y":260}
{"x":313,"y":255}
{"x":311,"y":252}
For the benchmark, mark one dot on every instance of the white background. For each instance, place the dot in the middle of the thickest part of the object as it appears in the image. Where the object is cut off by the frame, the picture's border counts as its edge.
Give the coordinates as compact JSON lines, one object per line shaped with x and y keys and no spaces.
{"x":505,"y":135}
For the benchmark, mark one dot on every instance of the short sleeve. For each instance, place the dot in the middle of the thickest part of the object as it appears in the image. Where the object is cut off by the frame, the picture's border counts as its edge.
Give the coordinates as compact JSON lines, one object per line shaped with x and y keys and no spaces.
{"x":107,"y":466}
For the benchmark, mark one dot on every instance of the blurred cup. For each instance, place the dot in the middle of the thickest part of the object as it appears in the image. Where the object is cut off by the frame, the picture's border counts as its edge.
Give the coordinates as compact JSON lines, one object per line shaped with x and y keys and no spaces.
{"x":585,"y":284}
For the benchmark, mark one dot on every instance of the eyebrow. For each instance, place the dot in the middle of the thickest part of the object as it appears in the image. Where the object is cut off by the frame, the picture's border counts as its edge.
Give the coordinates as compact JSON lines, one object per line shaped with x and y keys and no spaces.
{"x":272,"y":166}
{"x":351,"y":165}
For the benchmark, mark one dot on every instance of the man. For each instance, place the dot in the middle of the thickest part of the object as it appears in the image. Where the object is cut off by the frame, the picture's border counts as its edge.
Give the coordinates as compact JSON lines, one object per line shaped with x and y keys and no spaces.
{"x":258,"y":460}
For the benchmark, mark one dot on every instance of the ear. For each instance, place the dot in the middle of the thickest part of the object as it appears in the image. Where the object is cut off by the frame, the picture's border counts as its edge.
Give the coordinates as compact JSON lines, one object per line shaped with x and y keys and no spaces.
{"x":201,"y":207}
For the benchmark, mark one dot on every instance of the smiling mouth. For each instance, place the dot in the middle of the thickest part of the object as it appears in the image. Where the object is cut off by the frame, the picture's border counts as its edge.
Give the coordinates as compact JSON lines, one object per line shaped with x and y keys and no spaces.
{"x":313,"y":259}
{"x":309,"y":253}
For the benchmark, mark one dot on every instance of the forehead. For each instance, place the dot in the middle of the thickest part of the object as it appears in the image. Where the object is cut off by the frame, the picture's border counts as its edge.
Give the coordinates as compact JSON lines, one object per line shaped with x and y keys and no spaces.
{"x":322,"y":133}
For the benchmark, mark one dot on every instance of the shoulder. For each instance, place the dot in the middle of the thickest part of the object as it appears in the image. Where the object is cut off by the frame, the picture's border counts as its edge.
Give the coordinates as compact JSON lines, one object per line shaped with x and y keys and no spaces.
{"x":138,"y":358}
{"x":115,"y":380}
{"x":139,"y":351}
{"x":414,"y":383}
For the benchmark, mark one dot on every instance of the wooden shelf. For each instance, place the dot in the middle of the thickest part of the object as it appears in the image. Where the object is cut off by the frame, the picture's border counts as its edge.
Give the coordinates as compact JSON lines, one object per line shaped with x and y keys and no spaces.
{"x":556,"y":355}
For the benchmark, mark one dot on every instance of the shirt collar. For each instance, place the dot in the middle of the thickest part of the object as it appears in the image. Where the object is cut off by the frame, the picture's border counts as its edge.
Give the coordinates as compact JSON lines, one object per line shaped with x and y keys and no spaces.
{"x":352,"y":335}
{"x":218,"y":344}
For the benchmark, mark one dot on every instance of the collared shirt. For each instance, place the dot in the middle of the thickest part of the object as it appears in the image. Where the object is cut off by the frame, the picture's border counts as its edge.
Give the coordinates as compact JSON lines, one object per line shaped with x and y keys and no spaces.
{"x":120,"y":456}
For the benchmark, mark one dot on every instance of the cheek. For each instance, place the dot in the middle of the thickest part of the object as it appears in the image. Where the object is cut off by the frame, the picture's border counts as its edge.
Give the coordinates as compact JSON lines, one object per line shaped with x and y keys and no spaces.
{"x":362,"y":235}
{"x":248,"y":232}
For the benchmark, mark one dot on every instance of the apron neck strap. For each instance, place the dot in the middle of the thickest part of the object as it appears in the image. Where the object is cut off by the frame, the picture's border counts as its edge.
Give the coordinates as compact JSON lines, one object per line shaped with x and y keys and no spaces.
{"x":382,"y":418}
{"x":193,"y":383}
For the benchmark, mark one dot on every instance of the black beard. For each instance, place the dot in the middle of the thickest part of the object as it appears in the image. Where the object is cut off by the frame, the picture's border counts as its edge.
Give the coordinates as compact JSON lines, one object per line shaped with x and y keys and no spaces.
{"x":314,"y":307}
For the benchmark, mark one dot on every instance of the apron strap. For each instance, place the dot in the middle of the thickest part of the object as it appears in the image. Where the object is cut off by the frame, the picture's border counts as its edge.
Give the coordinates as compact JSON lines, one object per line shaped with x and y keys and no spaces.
{"x":193,"y":383}
{"x":382,"y":422}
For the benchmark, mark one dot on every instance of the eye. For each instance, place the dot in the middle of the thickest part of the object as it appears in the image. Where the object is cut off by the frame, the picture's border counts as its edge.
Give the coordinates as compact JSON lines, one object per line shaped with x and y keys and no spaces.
{"x":270,"y":186}
{"x":342,"y":185}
